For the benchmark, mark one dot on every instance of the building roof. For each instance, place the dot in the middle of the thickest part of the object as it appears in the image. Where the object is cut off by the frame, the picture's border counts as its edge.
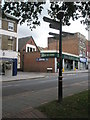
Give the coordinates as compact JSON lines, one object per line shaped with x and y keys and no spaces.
{"x":23,"y":41}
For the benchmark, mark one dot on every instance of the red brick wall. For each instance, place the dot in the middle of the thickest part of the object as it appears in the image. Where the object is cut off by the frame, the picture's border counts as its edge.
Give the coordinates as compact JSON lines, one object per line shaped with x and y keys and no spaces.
{"x":88,"y":48}
{"x":31,"y":65}
{"x":69,"y":44}
{"x":53,"y":44}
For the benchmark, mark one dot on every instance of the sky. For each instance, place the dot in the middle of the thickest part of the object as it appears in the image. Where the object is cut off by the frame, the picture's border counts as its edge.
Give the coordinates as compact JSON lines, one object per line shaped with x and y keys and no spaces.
{"x":40,"y":34}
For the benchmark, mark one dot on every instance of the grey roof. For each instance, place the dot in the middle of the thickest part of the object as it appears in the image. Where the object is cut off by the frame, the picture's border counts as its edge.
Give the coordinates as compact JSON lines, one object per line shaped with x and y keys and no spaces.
{"x":23,"y":41}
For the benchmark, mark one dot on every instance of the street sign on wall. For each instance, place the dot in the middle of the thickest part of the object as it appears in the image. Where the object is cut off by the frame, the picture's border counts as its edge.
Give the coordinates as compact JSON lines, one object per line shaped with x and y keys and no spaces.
{"x":41,"y":59}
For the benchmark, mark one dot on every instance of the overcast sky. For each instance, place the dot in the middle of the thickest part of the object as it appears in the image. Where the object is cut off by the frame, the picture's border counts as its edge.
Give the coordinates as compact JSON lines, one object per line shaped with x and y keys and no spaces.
{"x":40,"y":34}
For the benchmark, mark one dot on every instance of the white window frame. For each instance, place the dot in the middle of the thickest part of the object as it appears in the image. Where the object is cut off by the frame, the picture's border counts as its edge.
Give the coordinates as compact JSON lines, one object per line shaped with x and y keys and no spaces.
{"x":11,"y":26}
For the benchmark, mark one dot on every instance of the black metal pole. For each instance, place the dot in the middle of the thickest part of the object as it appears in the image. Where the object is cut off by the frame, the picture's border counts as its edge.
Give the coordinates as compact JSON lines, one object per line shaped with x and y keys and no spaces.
{"x":60,"y":64}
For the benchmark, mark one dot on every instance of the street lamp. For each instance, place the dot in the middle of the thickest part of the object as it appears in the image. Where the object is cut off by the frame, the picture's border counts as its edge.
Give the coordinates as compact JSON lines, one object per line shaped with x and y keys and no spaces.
{"x":60,"y":95}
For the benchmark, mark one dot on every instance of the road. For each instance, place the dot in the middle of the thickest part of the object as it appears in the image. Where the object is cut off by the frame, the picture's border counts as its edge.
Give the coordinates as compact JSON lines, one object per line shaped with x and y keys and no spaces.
{"x":17,"y":87}
{"x":18,"y":95}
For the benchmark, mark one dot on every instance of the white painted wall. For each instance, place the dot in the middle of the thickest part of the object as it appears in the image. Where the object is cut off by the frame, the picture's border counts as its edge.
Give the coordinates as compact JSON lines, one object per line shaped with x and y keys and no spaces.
{"x":8,"y":33}
{"x":8,"y":54}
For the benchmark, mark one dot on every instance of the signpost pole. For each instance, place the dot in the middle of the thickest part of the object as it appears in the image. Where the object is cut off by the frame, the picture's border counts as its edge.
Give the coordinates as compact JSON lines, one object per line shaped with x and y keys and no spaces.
{"x":60,"y":95}
{"x":60,"y":17}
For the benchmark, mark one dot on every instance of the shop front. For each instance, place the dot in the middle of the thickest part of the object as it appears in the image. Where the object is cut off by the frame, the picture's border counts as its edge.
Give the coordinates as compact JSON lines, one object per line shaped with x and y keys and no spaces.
{"x":8,"y":63}
{"x":83,"y":63}
{"x":8,"y":66}
{"x":69,"y":61}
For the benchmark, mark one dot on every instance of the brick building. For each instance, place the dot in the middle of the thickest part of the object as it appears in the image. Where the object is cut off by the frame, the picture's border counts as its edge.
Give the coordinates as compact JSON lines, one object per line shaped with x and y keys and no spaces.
{"x":25,"y":45}
{"x":74,"y":43}
{"x":47,"y":59}
{"x":8,"y":44}
{"x":34,"y":63}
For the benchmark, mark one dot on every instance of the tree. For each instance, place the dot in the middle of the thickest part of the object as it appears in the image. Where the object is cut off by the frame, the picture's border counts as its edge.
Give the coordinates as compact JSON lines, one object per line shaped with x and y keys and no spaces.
{"x":74,"y":10}
{"x":26,"y":12}
{"x":29,"y":11}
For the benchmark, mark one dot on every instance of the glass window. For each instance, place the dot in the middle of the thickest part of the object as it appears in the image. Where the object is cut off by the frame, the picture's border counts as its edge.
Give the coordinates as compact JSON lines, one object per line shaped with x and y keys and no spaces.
{"x":84,"y":53}
{"x":10,"y":44}
{"x":10,"y":26}
{"x":30,"y":49}
{"x":27,"y":49}
{"x":10,"y":47}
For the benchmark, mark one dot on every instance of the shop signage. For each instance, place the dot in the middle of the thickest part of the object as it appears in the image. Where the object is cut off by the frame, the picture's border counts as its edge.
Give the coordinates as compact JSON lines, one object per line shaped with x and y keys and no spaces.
{"x":41,"y":59}
{"x":47,"y":55}
{"x":52,"y":55}
{"x":6,"y":59}
{"x":84,"y":60}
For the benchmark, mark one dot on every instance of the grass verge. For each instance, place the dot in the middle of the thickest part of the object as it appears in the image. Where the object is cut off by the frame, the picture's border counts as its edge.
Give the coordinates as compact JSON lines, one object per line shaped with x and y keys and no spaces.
{"x":75,"y":106}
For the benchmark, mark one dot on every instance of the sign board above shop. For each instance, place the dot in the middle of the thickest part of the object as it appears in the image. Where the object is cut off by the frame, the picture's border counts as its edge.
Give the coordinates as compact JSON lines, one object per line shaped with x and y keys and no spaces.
{"x":64,"y":56}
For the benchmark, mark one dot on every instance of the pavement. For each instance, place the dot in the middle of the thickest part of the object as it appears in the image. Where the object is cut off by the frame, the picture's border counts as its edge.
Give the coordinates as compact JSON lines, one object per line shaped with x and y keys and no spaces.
{"x":28,"y":112}
{"x":34,"y":75}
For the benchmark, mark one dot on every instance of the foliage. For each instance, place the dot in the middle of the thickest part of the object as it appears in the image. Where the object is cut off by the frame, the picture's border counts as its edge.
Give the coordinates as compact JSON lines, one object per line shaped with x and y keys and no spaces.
{"x":74,"y":10}
{"x":29,"y":11}
{"x":26,"y":12}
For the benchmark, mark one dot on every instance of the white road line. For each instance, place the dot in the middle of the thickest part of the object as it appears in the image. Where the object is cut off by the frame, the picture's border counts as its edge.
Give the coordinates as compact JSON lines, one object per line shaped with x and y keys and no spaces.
{"x":10,"y":85}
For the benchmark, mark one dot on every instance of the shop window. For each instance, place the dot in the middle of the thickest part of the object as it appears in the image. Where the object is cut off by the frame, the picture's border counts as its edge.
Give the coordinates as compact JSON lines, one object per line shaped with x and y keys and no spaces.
{"x":10,"y":26}
{"x":8,"y":66}
{"x":83,"y":44}
{"x":30,"y":49}
{"x":10,"y":44}
{"x":84,"y":53}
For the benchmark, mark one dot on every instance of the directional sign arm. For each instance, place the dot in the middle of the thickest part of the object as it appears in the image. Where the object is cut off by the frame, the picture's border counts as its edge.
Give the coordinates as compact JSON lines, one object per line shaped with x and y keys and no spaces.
{"x":50,"y":20}
{"x":55,"y":26}
{"x":54,"y":34}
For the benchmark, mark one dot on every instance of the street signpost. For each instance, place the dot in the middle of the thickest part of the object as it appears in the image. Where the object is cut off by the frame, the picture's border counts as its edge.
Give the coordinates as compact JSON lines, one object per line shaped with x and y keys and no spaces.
{"x":54,"y":24}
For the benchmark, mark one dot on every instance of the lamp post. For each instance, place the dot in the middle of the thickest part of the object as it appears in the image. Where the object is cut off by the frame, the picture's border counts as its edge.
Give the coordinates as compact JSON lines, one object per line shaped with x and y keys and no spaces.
{"x":60,"y":92}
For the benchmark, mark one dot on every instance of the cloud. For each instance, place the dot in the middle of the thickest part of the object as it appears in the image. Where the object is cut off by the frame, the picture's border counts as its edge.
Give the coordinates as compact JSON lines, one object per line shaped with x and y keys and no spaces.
{"x":40,"y":34}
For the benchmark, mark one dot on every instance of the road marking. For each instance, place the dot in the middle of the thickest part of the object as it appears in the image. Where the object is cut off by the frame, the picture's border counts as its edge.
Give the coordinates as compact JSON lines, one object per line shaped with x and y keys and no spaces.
{"x":10,"y":85}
